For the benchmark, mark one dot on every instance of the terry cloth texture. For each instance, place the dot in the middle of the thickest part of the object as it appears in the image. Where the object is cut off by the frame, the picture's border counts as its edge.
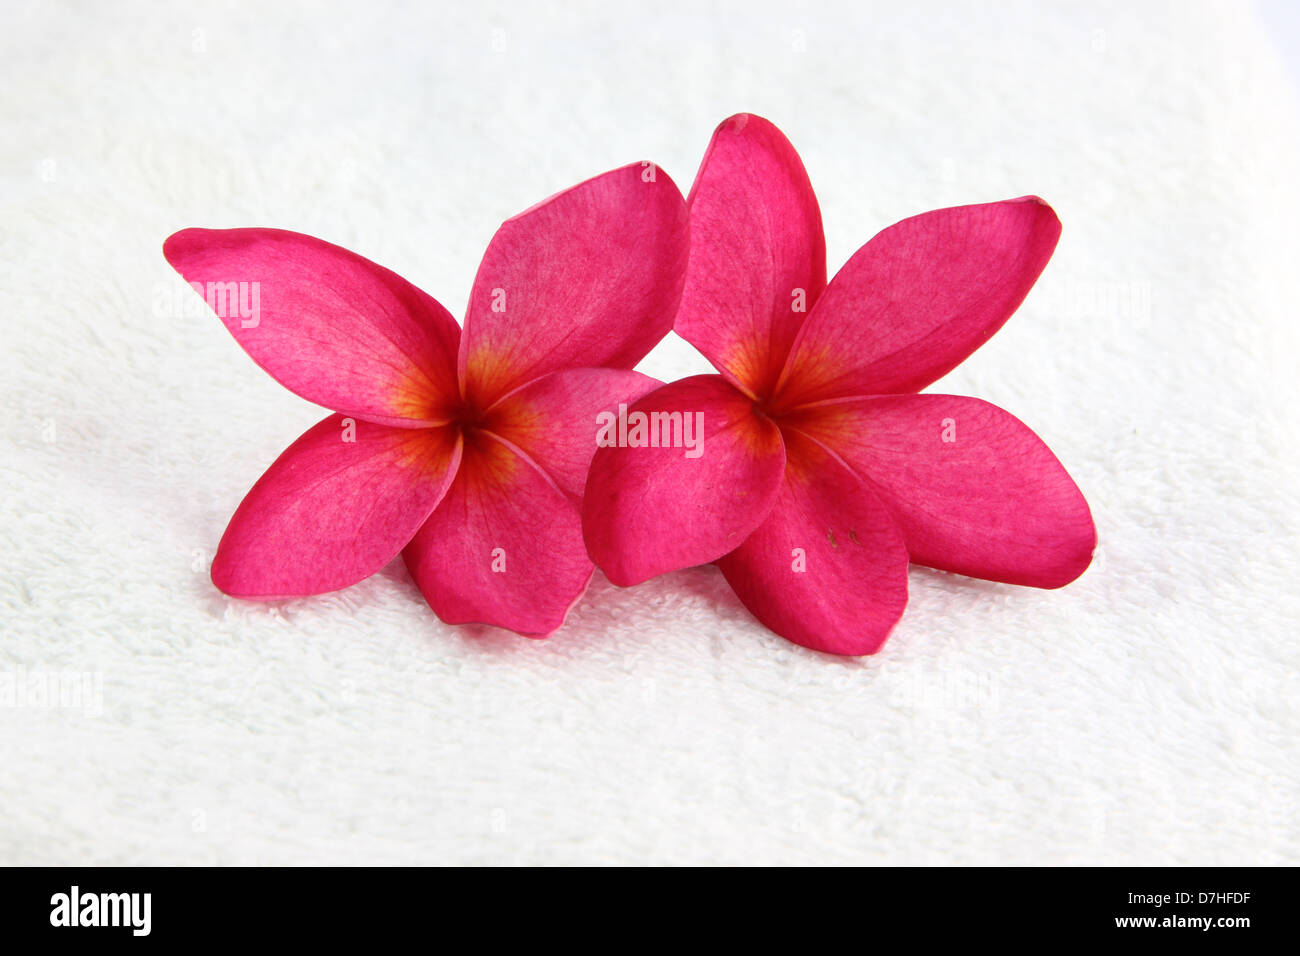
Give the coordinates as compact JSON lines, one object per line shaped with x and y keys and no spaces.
{"x":1149,"y":713}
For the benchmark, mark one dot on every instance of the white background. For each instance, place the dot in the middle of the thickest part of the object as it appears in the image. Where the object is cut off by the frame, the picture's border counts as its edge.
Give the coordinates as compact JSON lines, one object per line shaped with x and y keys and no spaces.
{"x":1146,"y":714}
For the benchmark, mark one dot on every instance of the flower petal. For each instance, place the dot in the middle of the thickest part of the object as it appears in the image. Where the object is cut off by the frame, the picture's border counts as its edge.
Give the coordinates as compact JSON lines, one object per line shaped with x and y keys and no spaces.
{"x":918,"y":299}
{"x":554,"y":420}
{"x":758,"y":255}
{"x":504,"y":547}
{"x":590,"y":277}
{"x":337,"y":506}
{"x":972,"y":488}
{"x":648,"y":510}
{"x":327,"y":324}
{"x":828,"y":568}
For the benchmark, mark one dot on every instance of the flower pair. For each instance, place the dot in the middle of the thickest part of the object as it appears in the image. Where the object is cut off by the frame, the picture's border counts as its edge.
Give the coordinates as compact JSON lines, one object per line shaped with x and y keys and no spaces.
{"x":818,"y":473}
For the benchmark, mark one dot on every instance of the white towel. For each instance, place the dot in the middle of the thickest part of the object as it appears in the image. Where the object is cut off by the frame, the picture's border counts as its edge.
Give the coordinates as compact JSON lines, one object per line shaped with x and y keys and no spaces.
{"x":1145,"y":714}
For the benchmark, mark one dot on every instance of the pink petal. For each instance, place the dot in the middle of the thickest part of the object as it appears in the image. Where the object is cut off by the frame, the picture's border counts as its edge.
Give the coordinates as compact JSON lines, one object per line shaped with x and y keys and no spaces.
{"x":649,"y":510}
{"x":554,"y":420}
{"x":504,"y":547}
{"x":327,"y":324}
{"x":331,"y":511}
{"x":828,"y":568}
{"x":972,"y":488}
{"x":756,"y":249}
{"x":918,"y":298}
{"x":590,"y":277}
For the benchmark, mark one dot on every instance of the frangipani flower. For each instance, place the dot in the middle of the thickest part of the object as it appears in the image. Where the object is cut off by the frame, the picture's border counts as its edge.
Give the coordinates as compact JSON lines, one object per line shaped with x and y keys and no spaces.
{"x":823,"y":472}
{"x":467,"y":452}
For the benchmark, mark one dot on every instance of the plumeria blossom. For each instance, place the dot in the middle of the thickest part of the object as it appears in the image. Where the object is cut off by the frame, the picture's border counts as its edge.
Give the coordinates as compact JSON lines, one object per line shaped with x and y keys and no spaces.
{"x":465,"y":451}
{"x":823,"y":471}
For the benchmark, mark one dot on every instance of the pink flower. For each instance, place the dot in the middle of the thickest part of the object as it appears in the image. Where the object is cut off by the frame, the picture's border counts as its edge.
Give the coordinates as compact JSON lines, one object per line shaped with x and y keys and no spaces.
{"x":822,"y":471}
{"x":467,"y":452}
